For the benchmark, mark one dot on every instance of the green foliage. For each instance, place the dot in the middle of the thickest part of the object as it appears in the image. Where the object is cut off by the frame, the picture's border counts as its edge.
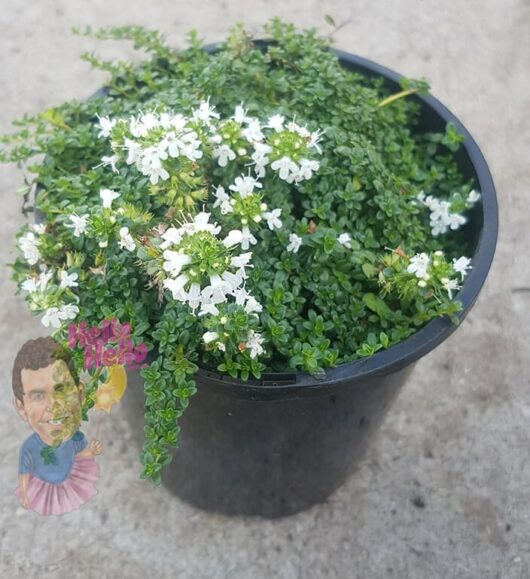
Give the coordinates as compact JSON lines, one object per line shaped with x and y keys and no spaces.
{"x":325,"y":305}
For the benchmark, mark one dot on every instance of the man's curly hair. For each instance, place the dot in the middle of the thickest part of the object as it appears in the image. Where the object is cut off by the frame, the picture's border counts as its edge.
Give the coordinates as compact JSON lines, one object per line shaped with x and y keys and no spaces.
{"x":37,"y":354}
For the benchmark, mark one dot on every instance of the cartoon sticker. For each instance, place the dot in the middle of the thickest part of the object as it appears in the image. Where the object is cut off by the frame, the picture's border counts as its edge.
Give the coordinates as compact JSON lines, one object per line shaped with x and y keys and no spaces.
{"x":57,"y":468}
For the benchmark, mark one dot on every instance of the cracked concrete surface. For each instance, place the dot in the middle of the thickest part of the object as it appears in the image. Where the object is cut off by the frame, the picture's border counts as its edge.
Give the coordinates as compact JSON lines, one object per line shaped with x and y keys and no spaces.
{"x":444,"y":490}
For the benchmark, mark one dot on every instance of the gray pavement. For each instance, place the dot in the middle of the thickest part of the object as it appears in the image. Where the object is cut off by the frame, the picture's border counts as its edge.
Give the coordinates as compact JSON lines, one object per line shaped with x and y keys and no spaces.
{"x":456,"y":440}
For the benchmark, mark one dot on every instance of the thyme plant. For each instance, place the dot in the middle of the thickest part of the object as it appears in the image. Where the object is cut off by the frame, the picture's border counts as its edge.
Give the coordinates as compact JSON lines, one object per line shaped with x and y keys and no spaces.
{"x":247,"y":210}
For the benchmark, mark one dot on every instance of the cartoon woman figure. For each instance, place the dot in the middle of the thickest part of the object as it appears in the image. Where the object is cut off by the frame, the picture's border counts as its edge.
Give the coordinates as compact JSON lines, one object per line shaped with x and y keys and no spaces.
{"x":57,"y":470}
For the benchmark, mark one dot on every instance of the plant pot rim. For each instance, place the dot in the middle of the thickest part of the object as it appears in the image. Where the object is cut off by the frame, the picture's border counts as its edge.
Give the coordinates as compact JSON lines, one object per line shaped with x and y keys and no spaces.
{"x":277,"y":385}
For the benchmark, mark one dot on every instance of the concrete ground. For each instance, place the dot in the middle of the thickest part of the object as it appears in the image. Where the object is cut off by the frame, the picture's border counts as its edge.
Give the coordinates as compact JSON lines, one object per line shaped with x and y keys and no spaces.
{"x":444,"y":491}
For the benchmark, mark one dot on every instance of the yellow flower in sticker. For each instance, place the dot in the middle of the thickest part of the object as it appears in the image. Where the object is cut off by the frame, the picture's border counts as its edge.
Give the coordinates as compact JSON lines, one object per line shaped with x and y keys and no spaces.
{"x":110,"y":392}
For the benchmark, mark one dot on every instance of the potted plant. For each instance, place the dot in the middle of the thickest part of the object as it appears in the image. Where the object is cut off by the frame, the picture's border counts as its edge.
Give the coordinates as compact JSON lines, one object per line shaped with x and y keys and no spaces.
{"x":286,"y":229}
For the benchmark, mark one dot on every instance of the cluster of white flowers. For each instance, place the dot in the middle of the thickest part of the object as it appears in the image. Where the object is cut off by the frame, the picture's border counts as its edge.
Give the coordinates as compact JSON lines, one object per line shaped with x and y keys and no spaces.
{"x":79,"y":224}
{"x":37,"y":287}
{"x":441,"y":217}
{"x":289,"y":164}
{"x":154,"y":139}
{"x":155,"y":143}
{"x":420,"y":263}
{"x":243,"y":188}
{"x":184,"y":281}
{"x":254,"y":342}
{"x":56,"y":316}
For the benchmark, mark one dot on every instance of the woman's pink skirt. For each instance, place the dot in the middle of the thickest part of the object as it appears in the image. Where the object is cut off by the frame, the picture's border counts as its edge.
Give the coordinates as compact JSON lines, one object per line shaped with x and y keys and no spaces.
{"x":57,"y":499}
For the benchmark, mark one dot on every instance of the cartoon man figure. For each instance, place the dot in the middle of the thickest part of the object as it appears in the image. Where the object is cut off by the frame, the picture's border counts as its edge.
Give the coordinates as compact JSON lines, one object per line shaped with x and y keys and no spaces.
{"x":57,"y":470}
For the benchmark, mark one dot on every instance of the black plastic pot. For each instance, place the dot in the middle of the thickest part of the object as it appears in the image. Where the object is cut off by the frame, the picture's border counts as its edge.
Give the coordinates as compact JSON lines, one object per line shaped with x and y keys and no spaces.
{"x":280,"y":445}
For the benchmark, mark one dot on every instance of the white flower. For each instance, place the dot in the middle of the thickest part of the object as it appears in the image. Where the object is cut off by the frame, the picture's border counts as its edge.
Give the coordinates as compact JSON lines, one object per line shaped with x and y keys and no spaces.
{"x":456,"y":220}
{"x":441,"y":218}
{"x":176,"y":287}
{"x":103,"y":244}
{"x":241,"y":260}
{"x":134,"y":151}
{"x":44,"y":278}
{"x":149,"y":121}
{"x":226,"y":208}
{"x":108,"y":196}
{"x":276,"y":122}
{"x":345,"y":239}
{"x":52,"y":318}
{"x":272,"y":218}
{"x":208,"y":307}
{"x":252,"y":132}
{"x":171,"y":236}
{"x":218,"y":288}
{"x":314,"y":139}
{"x":193,"y":297}
{"x":155,"y":173}
{"x":179,"y":122}
{"x":245,"y":186}
{"x":285,"y":167}
{"x":126,"y":240}
{"x":247,"y":238}
{"x":29,"y":285}
{"x":220,"y":346}
{"x":175,"y":261}
{"x":234,"y":280}
{"x":165,"y":120}
{"x":205,"y":112}
{"x":253,"y":306}
{"x":136,"y":128}
{"x":306,"y":169}
{"x":112,"y":160}
{"x":240,"y":115}
{"x":209,"y":337}
{"x":254,"y":342}
{"x":28,"y":244}
{"x":215,"y":139}
{"x":173,"y":145}
{"x":261,"y":150}
{"x":461,"y":265}
{"x":105,"y":126}
{"x":418,"y":265}
{"x":78,"y":224}
{"x":293,"y":127}
{"x":233,"y":238}
{"x":295,"y":241}
{"x":68,"y":280}
{"x":68,"y":312}
{"x":450,"y":285}
{"x":296,"y":128}
{"x":241,"y":295}
{"x":38,"y":228}
{"x":224,"y":154}
{"x":243,"y":298}
{"x":216,"y":292}
{"x":191,"y":146}
{"x":473,"y":196}
{"x":200,"y":223}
